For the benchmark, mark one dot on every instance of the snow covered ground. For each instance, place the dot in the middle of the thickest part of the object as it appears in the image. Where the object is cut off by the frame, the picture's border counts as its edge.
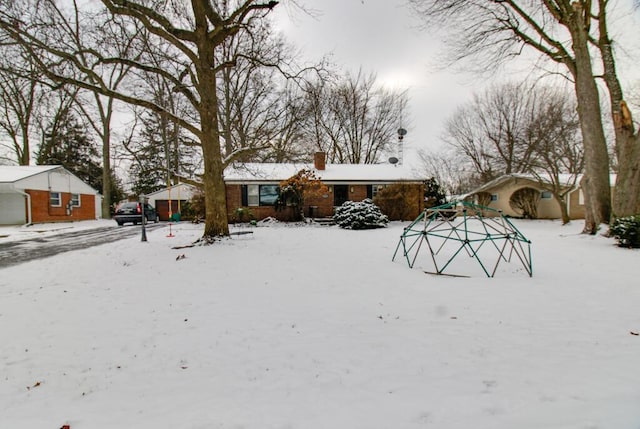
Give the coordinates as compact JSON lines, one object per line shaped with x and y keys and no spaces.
{"x":315,"y":327}
{"x":24,"y":232}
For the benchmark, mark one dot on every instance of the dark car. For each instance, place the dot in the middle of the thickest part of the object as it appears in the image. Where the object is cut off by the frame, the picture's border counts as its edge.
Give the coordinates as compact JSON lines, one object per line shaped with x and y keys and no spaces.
{"x":132,"y":212}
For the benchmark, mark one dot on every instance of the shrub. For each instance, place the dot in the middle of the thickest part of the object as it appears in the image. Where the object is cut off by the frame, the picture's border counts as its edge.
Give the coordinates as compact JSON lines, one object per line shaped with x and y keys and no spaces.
{"x":360,"y":215}
{"x":243,"y":214}
{"x":525,"y":201}
{"x":295,"y":189}
{"x":400,"y":201}
{"x":627,"y":231}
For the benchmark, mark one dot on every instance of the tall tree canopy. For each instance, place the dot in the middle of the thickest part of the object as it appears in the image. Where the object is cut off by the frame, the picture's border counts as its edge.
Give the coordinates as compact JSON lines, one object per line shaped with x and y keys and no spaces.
{"x":191,"y":37}
{"x":67,"y":143}
{"x":574,"y":35}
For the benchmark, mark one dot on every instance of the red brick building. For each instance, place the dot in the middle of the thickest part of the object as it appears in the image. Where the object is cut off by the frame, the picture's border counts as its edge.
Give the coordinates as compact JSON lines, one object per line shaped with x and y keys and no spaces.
{"x":45,"y":193}
{"x":254,"y":187}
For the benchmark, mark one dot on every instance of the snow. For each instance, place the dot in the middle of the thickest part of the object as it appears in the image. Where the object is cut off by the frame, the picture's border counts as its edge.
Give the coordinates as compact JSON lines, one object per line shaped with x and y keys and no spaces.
{"x":269,"y":172}
{"x":25,"y":232}
{"x":315,"y":327}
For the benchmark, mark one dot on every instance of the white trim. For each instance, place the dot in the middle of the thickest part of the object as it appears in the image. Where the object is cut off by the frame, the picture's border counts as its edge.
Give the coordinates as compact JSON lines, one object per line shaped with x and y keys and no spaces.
{"x":59,"y":198}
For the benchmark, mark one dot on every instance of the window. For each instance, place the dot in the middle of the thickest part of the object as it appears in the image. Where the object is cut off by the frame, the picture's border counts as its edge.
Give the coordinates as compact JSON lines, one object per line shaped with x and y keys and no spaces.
{"x":494,"y":197}
{"x":269,"y":195}
{"x":375,"y":189}
{"x":580,"y":198}
{"x":372,"y":190}
{"x":75,"y":200}
{"x":546,"y":195}
{"x":260,"y":195}
{"x":253,"y":195}
{"x":54,"y":199}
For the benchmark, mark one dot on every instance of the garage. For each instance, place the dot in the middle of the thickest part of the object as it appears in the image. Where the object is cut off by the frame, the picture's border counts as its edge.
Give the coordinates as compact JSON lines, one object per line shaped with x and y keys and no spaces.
{"x":13,"y":209}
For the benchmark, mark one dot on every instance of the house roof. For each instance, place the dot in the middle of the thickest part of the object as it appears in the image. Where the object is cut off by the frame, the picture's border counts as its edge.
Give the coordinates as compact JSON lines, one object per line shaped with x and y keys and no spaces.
{"x":568,"y":180}
{"x":13,"y":173}
{"x":274,"y":172}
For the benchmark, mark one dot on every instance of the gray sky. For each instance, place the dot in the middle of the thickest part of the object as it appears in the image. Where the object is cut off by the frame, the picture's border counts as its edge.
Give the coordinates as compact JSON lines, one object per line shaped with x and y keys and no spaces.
{"x":381,"y":36}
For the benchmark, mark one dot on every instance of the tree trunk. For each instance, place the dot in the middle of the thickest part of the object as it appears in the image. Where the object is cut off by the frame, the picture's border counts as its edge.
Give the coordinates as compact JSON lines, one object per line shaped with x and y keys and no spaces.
{"x":626,"y":198}
{"x":216,"y":223}
{"x":564,"y":211}
{"x":595,"y":184}
{"x":106,"y":173}
{"x":627,"y":191}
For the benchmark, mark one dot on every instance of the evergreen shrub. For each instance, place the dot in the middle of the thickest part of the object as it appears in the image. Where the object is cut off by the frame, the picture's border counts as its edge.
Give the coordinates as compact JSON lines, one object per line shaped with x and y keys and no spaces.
{"x":360,"y":215}
{"x":627,"y":231}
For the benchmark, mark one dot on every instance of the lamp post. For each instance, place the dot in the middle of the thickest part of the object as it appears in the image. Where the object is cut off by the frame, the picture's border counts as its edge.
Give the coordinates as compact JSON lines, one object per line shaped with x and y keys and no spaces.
{"x":143,"y":202}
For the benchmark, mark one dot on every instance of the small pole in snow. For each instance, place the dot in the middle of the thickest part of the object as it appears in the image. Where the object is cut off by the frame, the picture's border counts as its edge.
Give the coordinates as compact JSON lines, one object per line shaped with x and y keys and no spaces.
{"x":143,"y":201}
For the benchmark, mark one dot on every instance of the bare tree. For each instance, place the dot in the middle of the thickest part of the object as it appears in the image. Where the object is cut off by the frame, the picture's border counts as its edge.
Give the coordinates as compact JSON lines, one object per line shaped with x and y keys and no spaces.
{"x":518,"y":129}
{"x":354,"y":120}
{"x":191,"y":35}
{"x":555,"y":130}
{"x":452,"y":171}
{"x":525,"y":201}
{"x":22,"y":96}
{"x":98,"y":109}
{"x":248,"y":93}
{"x":289,"y":143}
{"x":493,"y":132}
{"x":626,"y":200}
{"x":562,"y":32}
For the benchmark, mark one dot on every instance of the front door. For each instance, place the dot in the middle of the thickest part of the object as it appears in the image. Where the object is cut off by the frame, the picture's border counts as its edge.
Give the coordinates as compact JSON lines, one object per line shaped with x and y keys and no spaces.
{"x":340,"y":194}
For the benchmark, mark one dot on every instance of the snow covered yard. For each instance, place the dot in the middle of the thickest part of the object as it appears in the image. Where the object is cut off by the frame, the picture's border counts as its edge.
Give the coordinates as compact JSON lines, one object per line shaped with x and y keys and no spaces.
{"x":316,"y":327}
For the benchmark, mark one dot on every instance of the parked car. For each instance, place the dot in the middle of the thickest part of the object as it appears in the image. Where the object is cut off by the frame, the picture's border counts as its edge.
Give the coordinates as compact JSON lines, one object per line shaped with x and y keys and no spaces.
{"x":132,"y":212}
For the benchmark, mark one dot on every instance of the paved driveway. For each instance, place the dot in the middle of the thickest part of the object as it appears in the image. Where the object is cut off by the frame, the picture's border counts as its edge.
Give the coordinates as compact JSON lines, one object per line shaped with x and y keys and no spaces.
{"x":17,"y":252}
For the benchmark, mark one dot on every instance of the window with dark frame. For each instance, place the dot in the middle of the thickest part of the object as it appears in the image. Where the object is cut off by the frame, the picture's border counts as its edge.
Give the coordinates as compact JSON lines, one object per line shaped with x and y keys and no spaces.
{"x":260,"y":195}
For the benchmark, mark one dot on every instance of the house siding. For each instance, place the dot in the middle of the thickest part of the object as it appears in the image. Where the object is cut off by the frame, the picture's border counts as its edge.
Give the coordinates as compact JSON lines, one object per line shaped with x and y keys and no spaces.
{"x":42,"y":211}
{"x":547,"y":208}
{"x":234,"y":202}
{"x":314,"y":206}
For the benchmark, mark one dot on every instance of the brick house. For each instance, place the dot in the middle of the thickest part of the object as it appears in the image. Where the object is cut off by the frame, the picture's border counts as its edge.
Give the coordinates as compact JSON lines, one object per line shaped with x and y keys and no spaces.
{"x":254,"y":186}
{"x":45,"y":193}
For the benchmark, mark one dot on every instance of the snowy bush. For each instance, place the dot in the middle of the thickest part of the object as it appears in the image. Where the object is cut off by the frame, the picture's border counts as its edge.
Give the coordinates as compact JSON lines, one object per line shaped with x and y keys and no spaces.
{"x":627,"y":231}
{"x":362,"y":215}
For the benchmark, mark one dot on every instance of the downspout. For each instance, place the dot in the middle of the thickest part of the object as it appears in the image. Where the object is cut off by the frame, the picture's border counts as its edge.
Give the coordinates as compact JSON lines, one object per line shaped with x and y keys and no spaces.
{"x":26,"y":194}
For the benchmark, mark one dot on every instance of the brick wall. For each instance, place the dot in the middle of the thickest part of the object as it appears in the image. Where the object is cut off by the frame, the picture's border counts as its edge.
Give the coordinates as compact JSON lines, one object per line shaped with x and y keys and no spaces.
{"x":234,"y":201}
{"x":322,"y":204}
{"x":42,"y":211}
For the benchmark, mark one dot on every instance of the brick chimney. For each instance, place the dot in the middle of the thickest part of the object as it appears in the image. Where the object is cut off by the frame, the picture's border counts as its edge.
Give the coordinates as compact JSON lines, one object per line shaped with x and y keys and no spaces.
{"x":319,"y":160}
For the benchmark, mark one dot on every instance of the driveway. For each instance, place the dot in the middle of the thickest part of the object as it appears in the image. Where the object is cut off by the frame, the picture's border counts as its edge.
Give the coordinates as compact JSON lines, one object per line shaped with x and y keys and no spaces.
{"x":17,"y":252}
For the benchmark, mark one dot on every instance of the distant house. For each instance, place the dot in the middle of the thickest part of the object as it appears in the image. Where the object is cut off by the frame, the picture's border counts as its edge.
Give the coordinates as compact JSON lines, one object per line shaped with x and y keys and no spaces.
{"x":254,"y":188}
{"x":176,"y":196}
{"x":497,"y":194}
{"x":45,"y":193}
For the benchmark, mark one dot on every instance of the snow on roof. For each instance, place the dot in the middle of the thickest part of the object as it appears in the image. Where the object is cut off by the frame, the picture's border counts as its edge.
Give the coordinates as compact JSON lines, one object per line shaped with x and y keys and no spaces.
{"x":274,"y":172}
{"x":569,"y":180}
{"x":13,"y":173}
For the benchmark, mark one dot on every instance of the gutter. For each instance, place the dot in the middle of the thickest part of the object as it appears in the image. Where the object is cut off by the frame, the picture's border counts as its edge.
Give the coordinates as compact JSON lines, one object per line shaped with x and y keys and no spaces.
{"x":29,"y":223}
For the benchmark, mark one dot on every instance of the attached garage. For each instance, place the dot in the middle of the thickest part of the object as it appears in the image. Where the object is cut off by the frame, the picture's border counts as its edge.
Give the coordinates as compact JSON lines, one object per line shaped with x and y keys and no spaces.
{"x":45,"y":193}
{"x":13,"y":209}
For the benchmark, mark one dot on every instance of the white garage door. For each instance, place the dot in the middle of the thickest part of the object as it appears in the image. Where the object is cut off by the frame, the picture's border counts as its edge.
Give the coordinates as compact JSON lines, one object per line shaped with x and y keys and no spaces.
{"x":12,"y":209}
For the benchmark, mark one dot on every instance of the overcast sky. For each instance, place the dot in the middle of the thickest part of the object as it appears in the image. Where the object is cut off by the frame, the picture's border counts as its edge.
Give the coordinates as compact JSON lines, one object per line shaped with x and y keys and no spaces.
{"x":381,"y":36}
